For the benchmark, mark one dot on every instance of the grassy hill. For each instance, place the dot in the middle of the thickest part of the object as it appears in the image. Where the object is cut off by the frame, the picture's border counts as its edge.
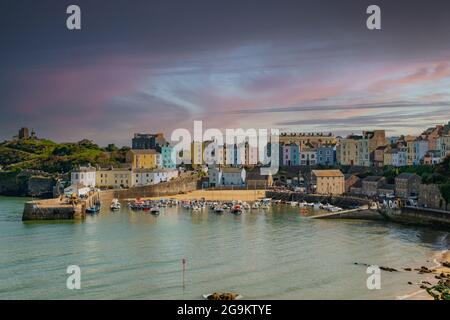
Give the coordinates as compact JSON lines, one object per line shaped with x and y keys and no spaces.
{"x":52,"y":157}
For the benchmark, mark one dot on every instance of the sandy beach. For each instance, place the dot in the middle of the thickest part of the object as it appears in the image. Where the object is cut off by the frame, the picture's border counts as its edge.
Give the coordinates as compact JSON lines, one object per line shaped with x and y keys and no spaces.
{"x":438,"y":268}
{"x":217,"y":195}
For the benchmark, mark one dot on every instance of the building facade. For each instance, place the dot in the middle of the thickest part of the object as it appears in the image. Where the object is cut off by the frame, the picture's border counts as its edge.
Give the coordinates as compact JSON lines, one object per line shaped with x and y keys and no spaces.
{"x":114,"y":178}
{"x":226,"y":176}
{"x":407,"y":184}
{"x":371,"y":184}
{"x":326,"y":155}
{"x":143,"y":158}
{"x":328,"y":181}
{"x":83,"y":176}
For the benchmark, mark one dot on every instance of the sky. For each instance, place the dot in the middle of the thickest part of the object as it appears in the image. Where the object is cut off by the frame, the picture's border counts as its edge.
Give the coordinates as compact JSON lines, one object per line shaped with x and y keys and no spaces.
{"x":154,"y":66}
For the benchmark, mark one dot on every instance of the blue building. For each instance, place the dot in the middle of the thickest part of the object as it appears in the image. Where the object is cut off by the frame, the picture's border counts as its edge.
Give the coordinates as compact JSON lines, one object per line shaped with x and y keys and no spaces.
{"x":326,"y":155}
{"x":295,"y":154}
{"x":168,"y":157}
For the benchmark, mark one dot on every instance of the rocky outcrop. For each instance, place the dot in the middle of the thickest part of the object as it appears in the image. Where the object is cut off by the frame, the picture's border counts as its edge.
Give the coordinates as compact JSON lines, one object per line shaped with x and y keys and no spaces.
{"x":26,"y":183}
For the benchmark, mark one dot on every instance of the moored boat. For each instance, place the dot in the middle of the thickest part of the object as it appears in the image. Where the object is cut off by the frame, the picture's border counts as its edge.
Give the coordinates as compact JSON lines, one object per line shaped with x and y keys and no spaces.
{"x":154,"y":210}
{"x":115,"y":204}
{"x":236,"y":209}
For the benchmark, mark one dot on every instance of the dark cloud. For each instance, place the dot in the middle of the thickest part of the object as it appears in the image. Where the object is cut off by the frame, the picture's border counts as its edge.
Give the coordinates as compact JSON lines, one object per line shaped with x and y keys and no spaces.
{"x":151,"y":65}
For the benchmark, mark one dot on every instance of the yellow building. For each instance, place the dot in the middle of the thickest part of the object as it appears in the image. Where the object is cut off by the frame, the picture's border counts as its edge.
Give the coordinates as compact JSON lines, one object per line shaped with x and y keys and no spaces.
{"x":143,"y":158}
{"x":387,"y":161}
{"x":329,"y":181}
{"x":348,"y":151}
{"x":410,"y":150}
{"x":197,"y":148}
{"x":113,"y":178}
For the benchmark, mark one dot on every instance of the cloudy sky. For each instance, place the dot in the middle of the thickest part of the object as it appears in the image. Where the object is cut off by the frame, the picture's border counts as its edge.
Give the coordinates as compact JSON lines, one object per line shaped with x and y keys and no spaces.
{"x":150,"y":66}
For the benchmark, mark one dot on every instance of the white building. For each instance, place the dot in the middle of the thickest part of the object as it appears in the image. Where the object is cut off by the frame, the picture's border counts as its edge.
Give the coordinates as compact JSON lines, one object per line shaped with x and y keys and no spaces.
{"x":145,"y":177}
{"x":83,"y":176}
{"x":226,"y":176}
{"x":420,"y":149}
{"x":400,"y":158}
{"x":308,"y":157}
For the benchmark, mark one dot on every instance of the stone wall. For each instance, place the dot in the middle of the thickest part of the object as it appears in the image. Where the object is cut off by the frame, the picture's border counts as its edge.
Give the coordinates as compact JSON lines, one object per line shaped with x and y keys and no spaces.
{"x":341,"y":201}
{"x":164,"y":189}
{"x":40,"y":186}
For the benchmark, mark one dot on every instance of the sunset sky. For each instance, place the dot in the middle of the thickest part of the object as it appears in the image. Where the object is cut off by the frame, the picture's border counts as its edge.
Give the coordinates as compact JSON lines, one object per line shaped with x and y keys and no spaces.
{"x":152,"y":66}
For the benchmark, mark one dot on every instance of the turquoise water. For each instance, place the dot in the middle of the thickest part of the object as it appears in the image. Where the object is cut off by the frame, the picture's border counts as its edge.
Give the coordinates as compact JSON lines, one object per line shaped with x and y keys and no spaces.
{"x":262,"y":255}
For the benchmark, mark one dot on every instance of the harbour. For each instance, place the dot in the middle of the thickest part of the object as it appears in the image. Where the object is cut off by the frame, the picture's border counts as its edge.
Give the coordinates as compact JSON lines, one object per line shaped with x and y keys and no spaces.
{"x":262,"y":254}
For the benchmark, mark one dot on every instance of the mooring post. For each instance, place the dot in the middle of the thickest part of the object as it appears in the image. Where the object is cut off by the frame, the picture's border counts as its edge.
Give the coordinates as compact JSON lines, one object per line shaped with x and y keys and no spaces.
{"x":184,"y":271}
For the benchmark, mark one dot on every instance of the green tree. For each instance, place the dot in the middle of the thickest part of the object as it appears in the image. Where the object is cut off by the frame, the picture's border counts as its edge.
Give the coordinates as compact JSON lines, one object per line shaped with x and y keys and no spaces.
{"x":111,"y":147}
{"x":445,"y":192}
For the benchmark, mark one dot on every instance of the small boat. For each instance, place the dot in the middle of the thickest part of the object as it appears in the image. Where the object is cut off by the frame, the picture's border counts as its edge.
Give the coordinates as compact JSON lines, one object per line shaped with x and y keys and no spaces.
{"x":303,"y":204}
{"x":255,"y":205}
{"x":94,"y":209}
{"x":237,"y":209}
{"x":154,"y":210}
{"x":115,"y":204}
{"x":218,"y":209}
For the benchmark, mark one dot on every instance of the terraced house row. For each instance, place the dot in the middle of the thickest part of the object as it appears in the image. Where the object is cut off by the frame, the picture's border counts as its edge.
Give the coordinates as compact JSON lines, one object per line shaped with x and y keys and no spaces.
{"x":370,"y":148}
